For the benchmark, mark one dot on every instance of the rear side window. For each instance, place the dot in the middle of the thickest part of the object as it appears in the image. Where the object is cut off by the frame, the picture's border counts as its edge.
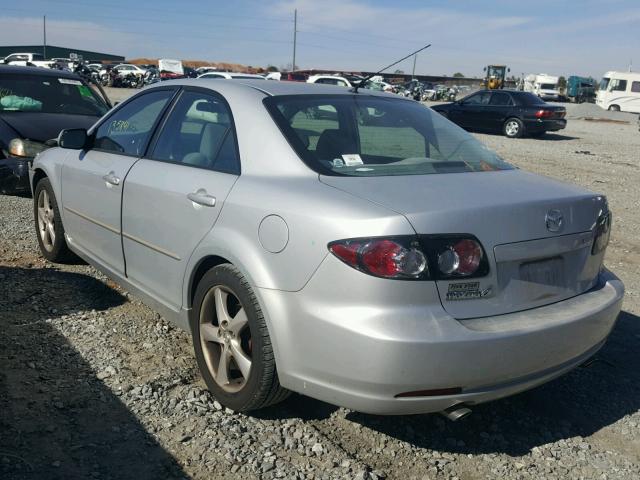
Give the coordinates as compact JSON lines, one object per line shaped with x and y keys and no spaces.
{"x":635,"y":87}
{"x":128,"y":129}
{"x":364,"y":135}
{"x":500,"y":99}
{"x":199,"y":132}
{"x":528,"y":99}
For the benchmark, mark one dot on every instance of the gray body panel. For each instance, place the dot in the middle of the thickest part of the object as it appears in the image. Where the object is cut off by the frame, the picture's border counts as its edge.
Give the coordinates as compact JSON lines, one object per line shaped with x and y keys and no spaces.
{"x":338,"y":334}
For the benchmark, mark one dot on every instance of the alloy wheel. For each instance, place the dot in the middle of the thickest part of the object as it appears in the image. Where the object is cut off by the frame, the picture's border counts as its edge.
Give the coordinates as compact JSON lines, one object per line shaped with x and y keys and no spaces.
{"x":46,"y":221}
{"x":512,"y":128}
{"x":226,"y":338}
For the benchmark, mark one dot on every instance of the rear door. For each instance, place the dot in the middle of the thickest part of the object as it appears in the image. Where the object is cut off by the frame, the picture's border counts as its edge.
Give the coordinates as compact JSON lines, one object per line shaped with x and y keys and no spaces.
{"x":92,"y":180}
{"x":174,"y":195}
{"x":500,"y":107}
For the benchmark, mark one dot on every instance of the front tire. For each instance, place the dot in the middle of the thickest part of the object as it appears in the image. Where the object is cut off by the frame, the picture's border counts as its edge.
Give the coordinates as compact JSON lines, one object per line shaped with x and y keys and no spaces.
{"x":513,"y":128}
{"x":49,"y":228}
{"x":614,"y":108}
{"x":231,"y":342}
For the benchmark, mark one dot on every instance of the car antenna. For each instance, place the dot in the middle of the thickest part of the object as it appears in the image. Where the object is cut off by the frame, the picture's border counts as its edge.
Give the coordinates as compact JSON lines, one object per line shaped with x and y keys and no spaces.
{"x":365,"y":79}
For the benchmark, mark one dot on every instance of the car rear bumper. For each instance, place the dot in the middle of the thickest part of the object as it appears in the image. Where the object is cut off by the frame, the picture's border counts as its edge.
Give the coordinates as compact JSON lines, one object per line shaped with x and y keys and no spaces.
{"x":14,"y":175}
{"x":361,"y":353}
{"x":550,"y":125}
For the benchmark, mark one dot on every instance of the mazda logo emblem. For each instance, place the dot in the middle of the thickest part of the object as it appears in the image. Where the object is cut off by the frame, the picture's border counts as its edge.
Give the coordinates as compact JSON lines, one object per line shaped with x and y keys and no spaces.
{"x":554,"y":220}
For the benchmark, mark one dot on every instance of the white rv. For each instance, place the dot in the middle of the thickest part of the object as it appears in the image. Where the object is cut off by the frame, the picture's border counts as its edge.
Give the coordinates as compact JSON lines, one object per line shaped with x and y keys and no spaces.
{"x":619,"y":91}
{"x":543,"y":85}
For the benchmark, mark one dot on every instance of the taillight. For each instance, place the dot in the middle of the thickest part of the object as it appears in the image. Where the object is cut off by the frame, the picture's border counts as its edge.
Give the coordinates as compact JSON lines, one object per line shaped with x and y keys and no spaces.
{"x":602,"y":234}
{"x":461,"y":258}
{"x":435,"y":257}
{"x":383,"y":257}
{"x":544,"y":113}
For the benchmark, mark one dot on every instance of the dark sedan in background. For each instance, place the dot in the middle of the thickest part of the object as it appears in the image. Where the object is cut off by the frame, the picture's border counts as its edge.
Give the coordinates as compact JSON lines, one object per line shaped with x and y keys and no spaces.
{"x":35,"y":105}
{"x":509,"y":112}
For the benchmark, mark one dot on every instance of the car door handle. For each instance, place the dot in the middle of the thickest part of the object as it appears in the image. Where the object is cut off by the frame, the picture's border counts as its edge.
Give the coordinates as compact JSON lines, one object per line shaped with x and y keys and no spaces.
{"x":111,"y":178}
{"x":201,"y":197}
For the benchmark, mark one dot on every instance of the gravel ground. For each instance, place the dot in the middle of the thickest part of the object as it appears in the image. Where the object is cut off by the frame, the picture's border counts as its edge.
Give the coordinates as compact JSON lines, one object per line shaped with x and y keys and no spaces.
{"x":93,"y":384}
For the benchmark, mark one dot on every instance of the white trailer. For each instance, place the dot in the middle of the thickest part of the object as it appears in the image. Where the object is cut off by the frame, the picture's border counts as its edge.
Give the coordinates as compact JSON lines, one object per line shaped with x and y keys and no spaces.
{"x":543,"y":85}
{"x":619,"y":91}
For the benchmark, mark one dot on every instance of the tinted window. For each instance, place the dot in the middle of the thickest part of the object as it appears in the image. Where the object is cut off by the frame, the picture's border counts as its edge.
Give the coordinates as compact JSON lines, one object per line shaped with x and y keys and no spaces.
{"x":528,"y":99}
{"x":48,"y":94}
{"x":477,"y":99}
{"x":199,"y":132}
{"x":128,"y":129}
{"x":356,"y":135}
{"x":635,"y":87}
{"x":499,"y":98}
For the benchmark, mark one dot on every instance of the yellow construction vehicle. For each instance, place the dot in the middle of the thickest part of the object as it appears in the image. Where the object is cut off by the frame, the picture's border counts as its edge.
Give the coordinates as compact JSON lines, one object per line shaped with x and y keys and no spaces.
{"x":495,"y":74}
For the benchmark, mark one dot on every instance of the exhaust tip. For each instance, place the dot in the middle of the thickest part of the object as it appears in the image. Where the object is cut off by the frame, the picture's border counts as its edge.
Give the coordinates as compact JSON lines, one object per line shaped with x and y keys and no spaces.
{"x":456,"y":412}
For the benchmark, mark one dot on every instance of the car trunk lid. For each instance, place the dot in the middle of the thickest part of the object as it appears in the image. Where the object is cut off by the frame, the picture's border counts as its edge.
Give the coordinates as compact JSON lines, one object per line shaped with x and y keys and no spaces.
{"x":533,"y":261}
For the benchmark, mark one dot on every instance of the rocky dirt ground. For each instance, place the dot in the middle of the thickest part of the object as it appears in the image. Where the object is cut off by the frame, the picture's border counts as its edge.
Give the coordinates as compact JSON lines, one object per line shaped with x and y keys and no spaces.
{"x":94,"y":385}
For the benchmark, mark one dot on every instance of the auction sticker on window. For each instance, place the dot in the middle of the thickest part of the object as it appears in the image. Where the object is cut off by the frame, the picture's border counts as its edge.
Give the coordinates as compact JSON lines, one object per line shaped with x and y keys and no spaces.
{"x":352,"y":159}
{"x":467,"y":291}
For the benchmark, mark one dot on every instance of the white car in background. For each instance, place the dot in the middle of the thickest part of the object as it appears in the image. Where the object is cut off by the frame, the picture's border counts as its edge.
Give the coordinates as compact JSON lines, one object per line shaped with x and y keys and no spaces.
{"x":329,"y":80}
{"x":232,"y":76}
{"x":125,"y":69}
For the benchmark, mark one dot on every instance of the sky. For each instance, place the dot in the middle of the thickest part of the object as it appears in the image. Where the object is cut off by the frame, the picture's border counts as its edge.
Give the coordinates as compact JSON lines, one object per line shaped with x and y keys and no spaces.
{"x":558,"y":37}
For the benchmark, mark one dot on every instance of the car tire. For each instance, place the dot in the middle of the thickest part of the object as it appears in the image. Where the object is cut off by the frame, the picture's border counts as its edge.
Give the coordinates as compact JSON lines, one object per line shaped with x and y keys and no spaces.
{"x":231,"y":342}
{"x":614,"y":108}
{"x":513,"y":128}
{"x":48,"y":222}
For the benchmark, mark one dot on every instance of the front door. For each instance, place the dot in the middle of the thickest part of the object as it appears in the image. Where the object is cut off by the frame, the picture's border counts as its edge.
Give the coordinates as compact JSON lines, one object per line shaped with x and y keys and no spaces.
{"x":469,"y":113}
{"x":92,"y":179}
{"x":174,"y":195}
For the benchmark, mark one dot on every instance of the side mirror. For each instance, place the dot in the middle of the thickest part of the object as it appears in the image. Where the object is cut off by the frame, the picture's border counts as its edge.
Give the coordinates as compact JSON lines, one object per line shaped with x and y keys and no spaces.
{"x":73,"y":138}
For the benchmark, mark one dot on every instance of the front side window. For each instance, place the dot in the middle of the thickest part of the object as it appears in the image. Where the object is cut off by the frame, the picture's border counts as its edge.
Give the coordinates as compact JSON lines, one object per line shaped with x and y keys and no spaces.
{"x":49,"y":94}
{"x":618,"y":85}
{"x":128,"y":129}
{"x":199,"y":132}
{"x":361,"y":135}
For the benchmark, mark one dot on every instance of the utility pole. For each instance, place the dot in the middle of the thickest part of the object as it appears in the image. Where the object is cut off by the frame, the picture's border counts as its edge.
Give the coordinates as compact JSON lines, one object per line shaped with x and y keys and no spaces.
{"x":413,"y":73}
{"x":295,"y":31}
{"x":44,"y":31}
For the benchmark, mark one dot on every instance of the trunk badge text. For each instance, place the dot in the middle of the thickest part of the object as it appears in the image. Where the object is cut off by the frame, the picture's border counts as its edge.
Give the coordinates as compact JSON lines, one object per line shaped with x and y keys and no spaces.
{"x":467,"y":291}
{"x":554,"y":220}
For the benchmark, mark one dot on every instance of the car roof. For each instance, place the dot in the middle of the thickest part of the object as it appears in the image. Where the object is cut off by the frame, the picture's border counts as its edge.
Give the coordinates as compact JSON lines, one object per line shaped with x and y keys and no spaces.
{"x":40,"y":71}
{"x":271,"y":87}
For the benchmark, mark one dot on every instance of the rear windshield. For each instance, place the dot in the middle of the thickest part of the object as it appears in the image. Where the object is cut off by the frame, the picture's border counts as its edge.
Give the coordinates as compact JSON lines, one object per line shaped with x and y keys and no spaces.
{"x":365,"y":135}
{"x":247,"y":77}
{"x":48,"y":94}
{"x":527,"y":98}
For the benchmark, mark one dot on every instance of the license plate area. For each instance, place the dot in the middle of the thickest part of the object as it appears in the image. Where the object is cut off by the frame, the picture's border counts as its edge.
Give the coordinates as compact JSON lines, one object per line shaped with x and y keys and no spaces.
{"x":549,"y":272}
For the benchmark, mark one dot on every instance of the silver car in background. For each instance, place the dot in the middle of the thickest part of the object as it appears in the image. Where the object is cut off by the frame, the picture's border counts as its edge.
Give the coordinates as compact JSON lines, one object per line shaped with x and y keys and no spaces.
{"x":355,"y":247}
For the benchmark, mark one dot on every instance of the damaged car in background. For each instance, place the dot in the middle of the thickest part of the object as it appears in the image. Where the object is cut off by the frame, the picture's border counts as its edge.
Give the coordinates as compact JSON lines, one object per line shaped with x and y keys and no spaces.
{"x":35,"y":105}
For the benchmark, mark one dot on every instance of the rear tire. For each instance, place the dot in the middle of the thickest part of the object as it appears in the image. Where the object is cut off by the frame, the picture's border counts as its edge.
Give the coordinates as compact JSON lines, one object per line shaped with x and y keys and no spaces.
{"x":231,"y":342}
{"x":48,"y":222}
{"x":513,"y":128}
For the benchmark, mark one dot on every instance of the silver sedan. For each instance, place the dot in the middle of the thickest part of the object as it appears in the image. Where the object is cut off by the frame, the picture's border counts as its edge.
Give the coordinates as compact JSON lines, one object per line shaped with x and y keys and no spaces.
{"x":352,"y":246}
